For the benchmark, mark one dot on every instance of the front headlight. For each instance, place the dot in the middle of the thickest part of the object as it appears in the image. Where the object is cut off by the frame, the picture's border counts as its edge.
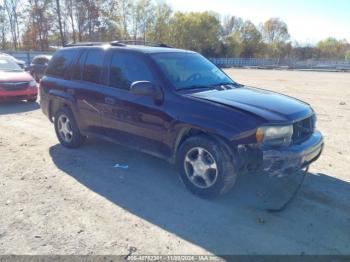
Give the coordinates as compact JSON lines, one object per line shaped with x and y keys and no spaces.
{"x":33,"y":84}
{"x":275,"y":135}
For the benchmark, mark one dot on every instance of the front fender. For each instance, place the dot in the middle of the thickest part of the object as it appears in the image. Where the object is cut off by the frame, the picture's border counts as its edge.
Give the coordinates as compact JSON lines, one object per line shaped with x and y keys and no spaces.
{"x":231,"y":125}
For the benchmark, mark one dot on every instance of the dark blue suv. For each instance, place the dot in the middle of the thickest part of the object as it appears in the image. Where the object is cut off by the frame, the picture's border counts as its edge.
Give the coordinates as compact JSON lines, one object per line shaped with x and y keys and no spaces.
{"x":177,"y":105}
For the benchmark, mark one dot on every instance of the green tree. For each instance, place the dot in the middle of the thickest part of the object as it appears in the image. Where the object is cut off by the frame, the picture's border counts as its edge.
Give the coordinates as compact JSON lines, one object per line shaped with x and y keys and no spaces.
{"x":275,"y":31}
{"x":231,"y":25}
{"x":347,"y":55}
{"x":234,"y":46}
{"x":251,"y":40}
{"x":275,"y":35}
{"x":196,"y":31}
{"x":332,"y":48}
{"x":160,"y":25}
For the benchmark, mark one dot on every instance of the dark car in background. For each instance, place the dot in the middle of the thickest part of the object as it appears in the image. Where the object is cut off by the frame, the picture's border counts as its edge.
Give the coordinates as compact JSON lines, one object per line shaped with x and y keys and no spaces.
{"x":38,"y":66}
{"x":15,"y":83}
{"x":177,"y":105}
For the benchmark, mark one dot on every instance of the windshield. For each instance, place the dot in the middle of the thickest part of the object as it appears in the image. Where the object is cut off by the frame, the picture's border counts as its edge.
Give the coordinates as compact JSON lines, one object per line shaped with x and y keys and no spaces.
{"x":190,"y":70}
{"x":7,"y":64}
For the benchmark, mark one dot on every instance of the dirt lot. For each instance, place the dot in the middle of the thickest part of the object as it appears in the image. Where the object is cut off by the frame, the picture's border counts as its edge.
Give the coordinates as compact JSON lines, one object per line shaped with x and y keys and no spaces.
{"x":59,"y":201}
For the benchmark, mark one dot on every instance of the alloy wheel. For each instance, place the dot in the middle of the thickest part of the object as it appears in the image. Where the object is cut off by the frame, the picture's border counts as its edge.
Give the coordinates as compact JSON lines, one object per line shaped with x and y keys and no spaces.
{"x":65,"y":128}
{"x":200,"y":167}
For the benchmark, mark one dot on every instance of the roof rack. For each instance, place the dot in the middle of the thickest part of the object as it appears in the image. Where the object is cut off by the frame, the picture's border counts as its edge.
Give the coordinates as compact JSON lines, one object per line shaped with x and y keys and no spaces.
{"x":138,"y":42}
{"x":84,"y":44}
{"x":118,"y":43}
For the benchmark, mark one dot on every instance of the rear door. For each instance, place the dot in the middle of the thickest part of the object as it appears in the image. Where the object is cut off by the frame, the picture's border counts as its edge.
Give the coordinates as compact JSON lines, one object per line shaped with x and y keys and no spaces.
{"x":133,"y":120}
{"x":87,"y":83}
{"x":57,"y":79}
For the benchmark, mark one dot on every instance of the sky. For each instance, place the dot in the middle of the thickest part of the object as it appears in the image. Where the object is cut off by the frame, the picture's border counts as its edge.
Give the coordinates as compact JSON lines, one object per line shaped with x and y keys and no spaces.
{"x":309,"y":21}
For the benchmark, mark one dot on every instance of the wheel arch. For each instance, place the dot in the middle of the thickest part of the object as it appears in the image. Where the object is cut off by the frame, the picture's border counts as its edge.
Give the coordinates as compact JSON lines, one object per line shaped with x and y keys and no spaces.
{"x":194,"y":131}
{"x":56,"y":104}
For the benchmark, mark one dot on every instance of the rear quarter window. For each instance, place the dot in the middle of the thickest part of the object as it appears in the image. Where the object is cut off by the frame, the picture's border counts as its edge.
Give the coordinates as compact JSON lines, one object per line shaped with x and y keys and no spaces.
{"x":60,"y":63}
{"x":89,"y":66}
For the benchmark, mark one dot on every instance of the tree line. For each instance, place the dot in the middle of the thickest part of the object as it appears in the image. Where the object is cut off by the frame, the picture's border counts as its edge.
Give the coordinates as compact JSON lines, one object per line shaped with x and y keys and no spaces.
{"x":44,"y":25}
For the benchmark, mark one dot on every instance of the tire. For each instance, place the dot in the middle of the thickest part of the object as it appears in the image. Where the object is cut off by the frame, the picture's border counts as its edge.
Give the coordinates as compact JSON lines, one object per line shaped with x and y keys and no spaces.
{"x":67,"y":130}
{"x":32,"y":100}
{"x":208,"y":158}
{"x":36,"y":78}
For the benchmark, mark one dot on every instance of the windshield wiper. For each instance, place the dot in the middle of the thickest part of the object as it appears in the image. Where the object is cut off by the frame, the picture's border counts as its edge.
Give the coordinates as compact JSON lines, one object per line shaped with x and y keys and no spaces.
{"x":228,"y":84}
{"x":193,"y":87}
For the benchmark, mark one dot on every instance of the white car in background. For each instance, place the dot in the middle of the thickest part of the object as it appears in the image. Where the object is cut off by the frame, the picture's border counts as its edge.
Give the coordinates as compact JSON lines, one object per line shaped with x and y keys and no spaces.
{"x":21,"y":63}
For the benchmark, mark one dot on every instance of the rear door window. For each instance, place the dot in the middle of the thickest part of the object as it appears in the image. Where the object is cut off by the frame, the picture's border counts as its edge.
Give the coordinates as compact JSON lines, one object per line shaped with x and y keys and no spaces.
{"x":60,"y":62}
{"x":77,"y":70}
{"x":93,"y":66}
{"x":127,"y":68}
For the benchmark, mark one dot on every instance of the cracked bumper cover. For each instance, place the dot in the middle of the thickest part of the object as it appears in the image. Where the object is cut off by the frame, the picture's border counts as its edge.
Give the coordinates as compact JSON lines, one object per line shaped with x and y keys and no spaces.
{"x":294,"y":157}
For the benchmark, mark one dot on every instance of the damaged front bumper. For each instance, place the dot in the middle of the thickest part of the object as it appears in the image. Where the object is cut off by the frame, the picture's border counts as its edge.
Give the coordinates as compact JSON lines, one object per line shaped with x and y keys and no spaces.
{"x":280,"y":161}
{"x":295,"y":157}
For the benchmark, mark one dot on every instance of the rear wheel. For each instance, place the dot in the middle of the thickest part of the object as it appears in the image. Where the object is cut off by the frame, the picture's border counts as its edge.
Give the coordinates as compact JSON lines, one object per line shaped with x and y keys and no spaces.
{"x":206,"y":167}
{"x":67,"y":130}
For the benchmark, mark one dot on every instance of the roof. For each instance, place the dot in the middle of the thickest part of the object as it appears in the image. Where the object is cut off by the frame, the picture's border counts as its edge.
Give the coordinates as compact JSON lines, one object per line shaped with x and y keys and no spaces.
{"x":12,"y":58}
{"x":152,"y":49}
{"x":143,"y":48}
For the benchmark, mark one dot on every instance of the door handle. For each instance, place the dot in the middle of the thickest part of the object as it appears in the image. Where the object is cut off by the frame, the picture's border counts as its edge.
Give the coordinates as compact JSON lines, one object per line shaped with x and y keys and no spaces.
{"x":110,"y":101}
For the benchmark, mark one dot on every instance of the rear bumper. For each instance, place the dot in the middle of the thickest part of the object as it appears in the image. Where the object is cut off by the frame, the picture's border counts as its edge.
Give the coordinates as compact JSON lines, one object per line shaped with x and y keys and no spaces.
{"x":296,"y":157}
{"x":18,"y":94}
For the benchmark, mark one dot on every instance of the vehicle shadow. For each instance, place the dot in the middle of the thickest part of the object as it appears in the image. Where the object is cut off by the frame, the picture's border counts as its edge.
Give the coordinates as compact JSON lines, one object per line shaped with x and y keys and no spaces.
{"x":236,"y":223}
{"x":7,"y":108}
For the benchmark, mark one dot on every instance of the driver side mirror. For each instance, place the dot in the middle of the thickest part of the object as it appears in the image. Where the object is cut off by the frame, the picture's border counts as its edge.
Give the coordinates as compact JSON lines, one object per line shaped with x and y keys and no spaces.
{"x":145,"y":88}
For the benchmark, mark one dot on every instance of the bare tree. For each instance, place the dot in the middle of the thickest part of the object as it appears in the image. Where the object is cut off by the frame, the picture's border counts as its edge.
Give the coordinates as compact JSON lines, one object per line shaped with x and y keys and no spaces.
{"x":70,"y":13}
{"x":3,"y":27}
{"x":11,"y":7}
{"x":58,"y":6}
{"x":125,"y":16}
{"x":40,"y":23}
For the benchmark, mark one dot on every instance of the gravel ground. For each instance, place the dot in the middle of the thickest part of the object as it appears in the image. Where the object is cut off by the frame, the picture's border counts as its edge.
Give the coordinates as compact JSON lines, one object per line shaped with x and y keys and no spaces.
{"x":59,"y":201}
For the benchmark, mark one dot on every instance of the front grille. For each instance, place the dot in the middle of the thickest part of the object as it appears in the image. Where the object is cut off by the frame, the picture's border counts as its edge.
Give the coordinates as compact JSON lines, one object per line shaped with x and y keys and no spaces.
{"x":14,"y":86}
{"x":303,"y":129}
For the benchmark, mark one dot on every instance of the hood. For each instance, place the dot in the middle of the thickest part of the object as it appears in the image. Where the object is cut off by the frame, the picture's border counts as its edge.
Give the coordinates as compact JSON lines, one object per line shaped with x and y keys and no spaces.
{"x":15,"y":77}
{"x":271,"y":106}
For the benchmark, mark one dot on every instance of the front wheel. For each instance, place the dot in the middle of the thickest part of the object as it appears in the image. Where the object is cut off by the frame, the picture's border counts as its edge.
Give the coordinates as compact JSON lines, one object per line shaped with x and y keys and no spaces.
{"x":67,"y":130}
{"x":205,"y":166}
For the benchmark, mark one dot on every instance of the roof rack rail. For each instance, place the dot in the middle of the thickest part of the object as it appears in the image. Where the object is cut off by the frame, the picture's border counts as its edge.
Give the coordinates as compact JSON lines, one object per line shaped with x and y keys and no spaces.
{"x":84,"y":44}
{"x":118,"y":43}
{"x":138,"y":42}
